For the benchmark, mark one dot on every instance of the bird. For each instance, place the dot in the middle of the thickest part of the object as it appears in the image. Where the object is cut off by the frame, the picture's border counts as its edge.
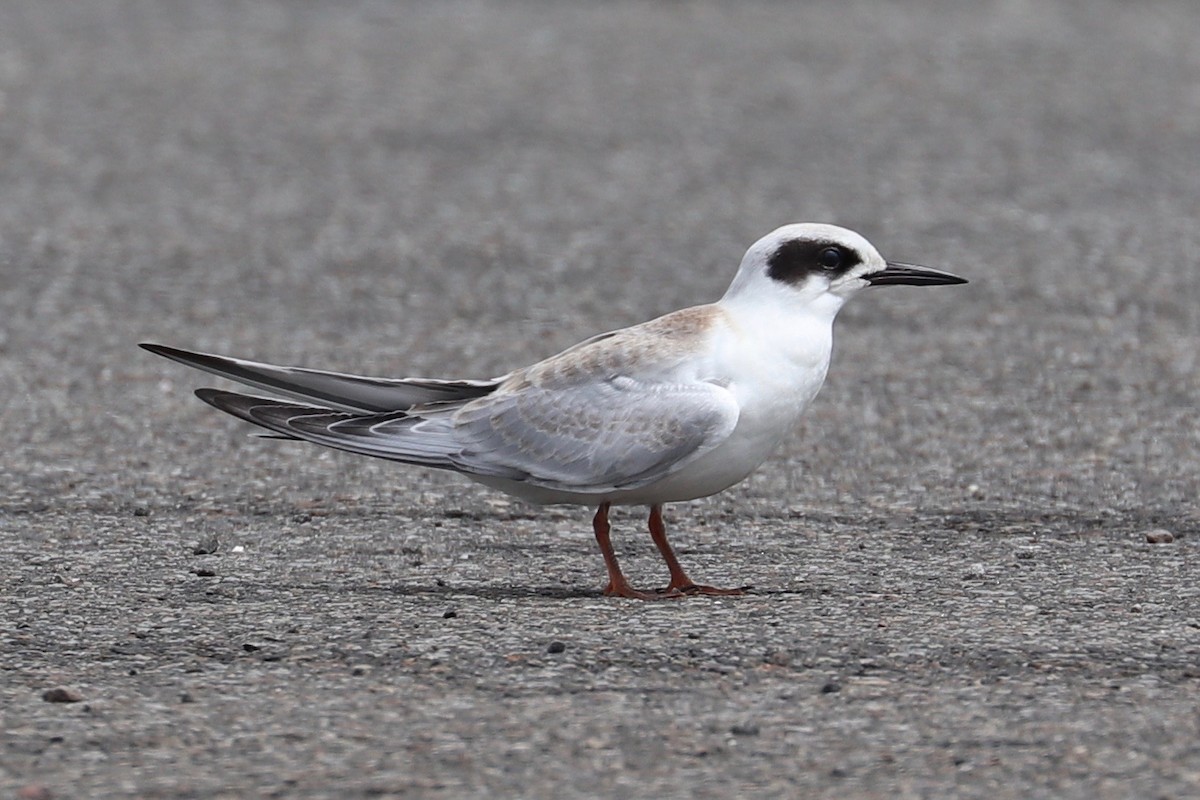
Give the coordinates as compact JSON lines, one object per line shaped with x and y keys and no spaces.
{"x":677,"y":408}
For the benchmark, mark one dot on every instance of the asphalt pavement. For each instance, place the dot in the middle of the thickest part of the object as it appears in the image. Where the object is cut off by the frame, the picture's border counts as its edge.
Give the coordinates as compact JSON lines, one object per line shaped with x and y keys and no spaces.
{"x":974,"y":562}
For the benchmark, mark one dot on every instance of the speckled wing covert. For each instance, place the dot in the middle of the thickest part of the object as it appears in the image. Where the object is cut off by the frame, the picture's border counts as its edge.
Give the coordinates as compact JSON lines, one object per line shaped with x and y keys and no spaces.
{"x":616,"y":433}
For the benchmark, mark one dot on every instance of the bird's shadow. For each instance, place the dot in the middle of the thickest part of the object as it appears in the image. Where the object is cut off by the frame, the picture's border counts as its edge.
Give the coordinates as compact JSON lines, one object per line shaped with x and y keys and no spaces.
{"x":509,"y":592}
{"x":487,"y":592}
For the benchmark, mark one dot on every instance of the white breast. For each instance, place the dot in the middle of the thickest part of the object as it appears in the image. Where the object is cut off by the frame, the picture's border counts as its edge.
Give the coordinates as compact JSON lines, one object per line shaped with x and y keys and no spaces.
{"x":774,"y":367}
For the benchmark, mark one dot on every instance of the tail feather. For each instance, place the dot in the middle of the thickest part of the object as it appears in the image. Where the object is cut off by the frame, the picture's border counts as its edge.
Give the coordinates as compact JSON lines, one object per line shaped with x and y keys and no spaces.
{"x":392,"y":435}
{"x":332,"y":390}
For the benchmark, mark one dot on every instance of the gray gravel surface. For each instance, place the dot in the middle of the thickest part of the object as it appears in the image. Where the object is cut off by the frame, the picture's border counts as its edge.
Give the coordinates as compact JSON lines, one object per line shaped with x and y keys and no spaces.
{"x":957,"y":592}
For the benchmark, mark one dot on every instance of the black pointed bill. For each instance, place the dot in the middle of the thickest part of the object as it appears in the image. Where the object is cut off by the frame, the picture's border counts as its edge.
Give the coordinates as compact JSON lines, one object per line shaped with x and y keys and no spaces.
{"x":898,"y":274}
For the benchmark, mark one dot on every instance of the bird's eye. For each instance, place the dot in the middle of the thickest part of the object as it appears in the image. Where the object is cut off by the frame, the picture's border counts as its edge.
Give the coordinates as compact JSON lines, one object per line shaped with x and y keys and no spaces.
{"x":830,"y":258}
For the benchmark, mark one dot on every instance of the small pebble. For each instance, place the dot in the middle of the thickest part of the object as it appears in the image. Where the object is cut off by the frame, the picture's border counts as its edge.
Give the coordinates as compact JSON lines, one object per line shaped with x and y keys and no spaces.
{"x":61,"y":694}
{"x":831,"y":688}
{"x":747,"y":729}
{"x":206,"y":546}
{"x":556,"y":647}
{"x":1159,"y":536}
{"x":450,"y":615}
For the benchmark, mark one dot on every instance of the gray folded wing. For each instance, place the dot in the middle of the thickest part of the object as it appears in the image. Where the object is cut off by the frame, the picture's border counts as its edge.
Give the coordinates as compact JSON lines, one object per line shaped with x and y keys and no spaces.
{"x":593,"y":437}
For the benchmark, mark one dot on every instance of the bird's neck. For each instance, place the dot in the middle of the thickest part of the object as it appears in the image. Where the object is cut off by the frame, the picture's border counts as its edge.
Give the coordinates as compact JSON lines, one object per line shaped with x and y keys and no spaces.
{"x":791,"y":340}
{"x":780,"y":315}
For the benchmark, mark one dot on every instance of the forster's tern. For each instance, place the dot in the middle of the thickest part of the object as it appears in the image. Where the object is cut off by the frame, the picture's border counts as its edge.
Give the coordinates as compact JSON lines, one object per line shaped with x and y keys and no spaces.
{"x":680,"y":407}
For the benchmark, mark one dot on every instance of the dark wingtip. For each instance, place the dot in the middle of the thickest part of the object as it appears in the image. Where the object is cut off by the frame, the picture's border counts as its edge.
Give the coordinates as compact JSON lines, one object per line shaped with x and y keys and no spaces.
{"x":163,"y":350}
{"x":242,"y":407}
{"x":215,"y":397}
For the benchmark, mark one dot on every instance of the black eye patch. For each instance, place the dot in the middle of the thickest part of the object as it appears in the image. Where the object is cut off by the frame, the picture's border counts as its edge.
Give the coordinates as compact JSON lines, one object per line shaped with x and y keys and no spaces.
{"x":796,"y":259}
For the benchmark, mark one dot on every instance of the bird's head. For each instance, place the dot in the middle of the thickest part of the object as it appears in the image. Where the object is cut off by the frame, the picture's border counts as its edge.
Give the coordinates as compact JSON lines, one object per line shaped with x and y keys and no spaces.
{"x":823,"y":265}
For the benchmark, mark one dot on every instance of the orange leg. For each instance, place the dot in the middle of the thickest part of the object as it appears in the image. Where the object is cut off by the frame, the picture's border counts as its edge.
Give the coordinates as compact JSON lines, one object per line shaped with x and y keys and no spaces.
{"x":680,"y":582}
{"x":617,"y":585}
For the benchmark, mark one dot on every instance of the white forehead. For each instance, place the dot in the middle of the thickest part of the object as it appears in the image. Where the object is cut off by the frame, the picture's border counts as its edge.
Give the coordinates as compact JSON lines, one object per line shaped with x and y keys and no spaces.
{"x":812,"y":231}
